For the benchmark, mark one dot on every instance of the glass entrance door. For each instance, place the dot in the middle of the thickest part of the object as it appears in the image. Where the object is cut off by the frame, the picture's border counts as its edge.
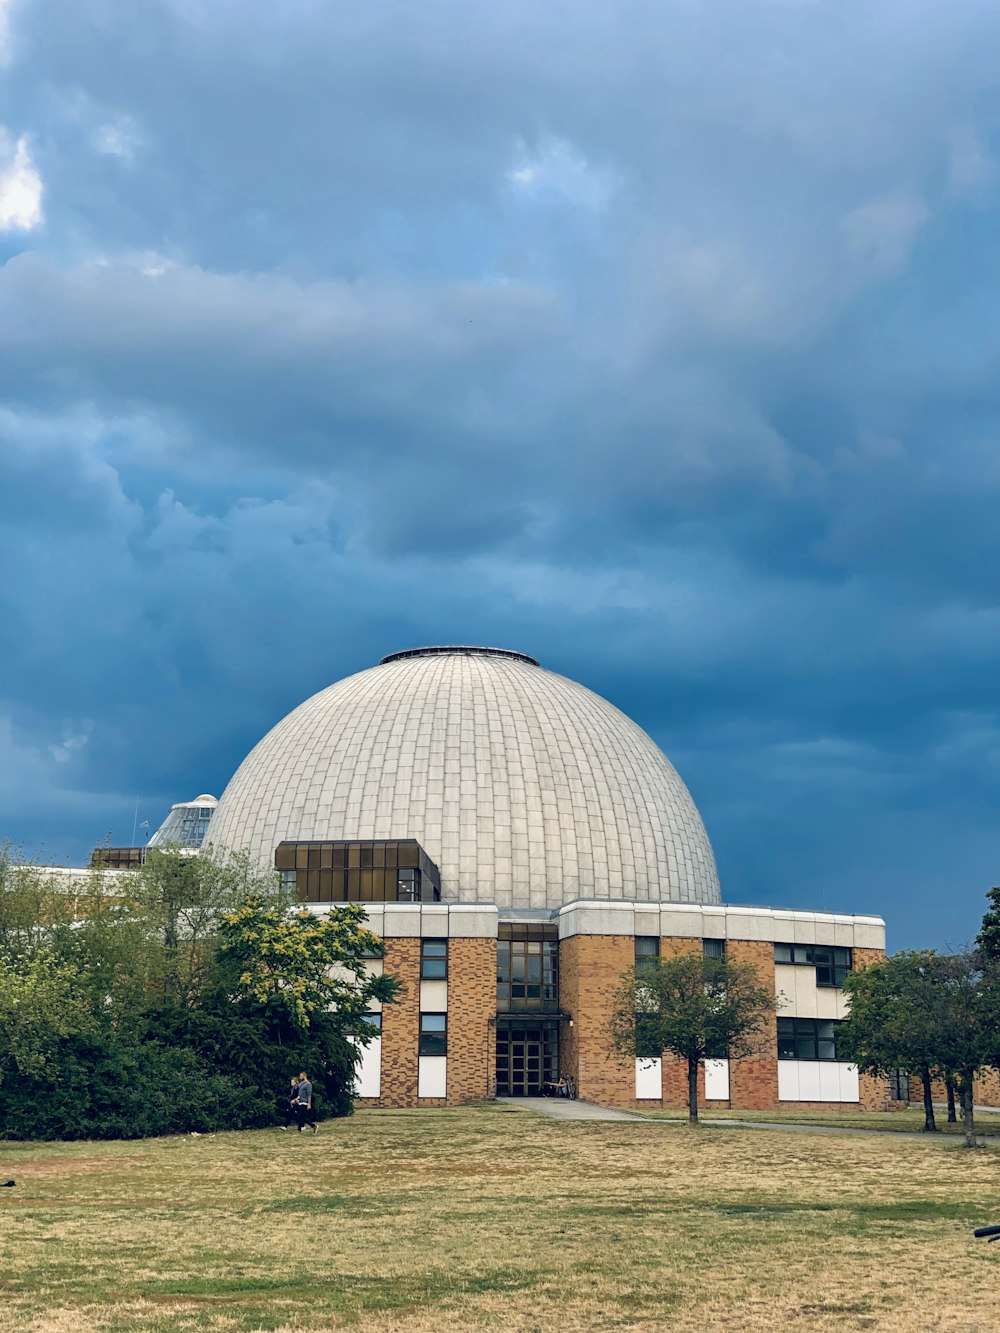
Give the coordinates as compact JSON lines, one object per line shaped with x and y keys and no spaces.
{"x":527,"y":1057}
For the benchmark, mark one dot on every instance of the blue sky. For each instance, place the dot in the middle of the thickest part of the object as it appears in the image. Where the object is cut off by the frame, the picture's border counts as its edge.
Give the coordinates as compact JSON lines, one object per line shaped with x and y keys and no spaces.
{"x":656,"y":340}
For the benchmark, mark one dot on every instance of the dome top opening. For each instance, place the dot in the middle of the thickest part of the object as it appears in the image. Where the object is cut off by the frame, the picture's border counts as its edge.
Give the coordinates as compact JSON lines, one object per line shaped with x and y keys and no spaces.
{"x":469,"y":650}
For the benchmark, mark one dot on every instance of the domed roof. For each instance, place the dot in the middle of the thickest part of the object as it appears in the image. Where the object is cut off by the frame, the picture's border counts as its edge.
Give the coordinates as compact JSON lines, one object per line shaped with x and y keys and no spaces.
{"x":525,"y":788}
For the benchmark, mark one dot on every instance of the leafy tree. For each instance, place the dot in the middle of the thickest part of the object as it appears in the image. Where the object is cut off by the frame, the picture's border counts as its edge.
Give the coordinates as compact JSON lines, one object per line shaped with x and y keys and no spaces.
{"x":41,"y":1003}
{"x":692,"y":1007}
{"x":182,"y":898}
{"x":988,"y":939}
{"x":968,"y":1042}
{"x":303,"y":964}
{"x":897,"y":1018}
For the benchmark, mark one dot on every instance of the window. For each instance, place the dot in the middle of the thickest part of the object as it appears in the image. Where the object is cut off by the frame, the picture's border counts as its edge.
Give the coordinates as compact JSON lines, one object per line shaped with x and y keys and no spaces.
{"x":832,"y":963}
{"x":433,"y":1034}
{"x":714,"y":948}
{"x":407,"y":885}
{"x":899,"y":1085}
{"x":807,"y":1039}
{"x":527,"y":967}
{"x":646,"y":947}
{"x":433,"y":960}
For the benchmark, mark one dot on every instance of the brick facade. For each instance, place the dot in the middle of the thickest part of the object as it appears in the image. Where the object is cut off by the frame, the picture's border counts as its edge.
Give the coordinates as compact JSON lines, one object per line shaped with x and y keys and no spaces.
{"x":590,"y":972}
{"x":753,"y":1082}
{"x":401,"y":1025}
{"x":472,"y":1007}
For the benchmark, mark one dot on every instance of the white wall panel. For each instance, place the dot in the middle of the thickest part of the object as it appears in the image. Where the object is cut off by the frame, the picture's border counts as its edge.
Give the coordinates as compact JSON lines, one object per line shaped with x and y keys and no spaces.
{"x":433,"y":997}
{"x":717,"y":1080}
{"x":432,"y":1076}
{"x":817,"y":1081}
{"x":368,"y":1076}
{"x":649,"y":1080}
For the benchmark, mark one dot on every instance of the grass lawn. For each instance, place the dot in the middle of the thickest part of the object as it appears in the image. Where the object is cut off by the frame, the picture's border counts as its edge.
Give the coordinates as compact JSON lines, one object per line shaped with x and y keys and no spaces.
{"x":489,"y":1218}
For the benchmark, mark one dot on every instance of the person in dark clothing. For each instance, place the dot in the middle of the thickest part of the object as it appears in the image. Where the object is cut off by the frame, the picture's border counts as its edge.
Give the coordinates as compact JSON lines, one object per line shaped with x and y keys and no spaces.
{"x":288,"y":1102}
{"x":304,"y":1105}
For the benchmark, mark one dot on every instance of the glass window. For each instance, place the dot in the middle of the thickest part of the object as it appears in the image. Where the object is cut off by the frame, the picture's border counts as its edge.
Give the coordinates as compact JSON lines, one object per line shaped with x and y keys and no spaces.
{"x":646,"y":946}
{"x":807,"y":1039}
{"x":433,"y":1034}
{"x":832,"y":963}
{"x":433,"y":960}
{"x":714,"y":948}
{"x":407,"y":886}
{"x":374,"y":1021}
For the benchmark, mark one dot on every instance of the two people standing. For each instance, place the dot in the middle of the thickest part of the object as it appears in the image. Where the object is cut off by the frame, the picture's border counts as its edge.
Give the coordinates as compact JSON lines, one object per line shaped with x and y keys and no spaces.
{"x":299,"y":1105}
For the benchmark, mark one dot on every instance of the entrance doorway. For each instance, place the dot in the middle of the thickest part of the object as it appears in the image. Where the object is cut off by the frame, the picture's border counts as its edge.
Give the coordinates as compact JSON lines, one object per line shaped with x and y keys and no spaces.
{"x":527,"y":1056}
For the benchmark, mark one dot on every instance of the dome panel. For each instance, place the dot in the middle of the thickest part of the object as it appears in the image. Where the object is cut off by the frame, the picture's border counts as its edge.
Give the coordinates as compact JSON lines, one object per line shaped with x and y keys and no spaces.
{"x":527,"y":789}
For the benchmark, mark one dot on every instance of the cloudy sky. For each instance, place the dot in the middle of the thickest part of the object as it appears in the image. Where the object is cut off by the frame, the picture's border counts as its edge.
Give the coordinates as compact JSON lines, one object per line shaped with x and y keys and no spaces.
{"x":657,"y":339}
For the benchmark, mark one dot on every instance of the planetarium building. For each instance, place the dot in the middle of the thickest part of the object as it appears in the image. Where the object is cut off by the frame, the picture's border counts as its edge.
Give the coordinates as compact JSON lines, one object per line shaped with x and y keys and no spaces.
{"x":518,"y":843}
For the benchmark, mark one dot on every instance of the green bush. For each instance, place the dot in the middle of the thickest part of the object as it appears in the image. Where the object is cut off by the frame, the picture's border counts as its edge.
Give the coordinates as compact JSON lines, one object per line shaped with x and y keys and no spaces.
{"x":194,"y":1070}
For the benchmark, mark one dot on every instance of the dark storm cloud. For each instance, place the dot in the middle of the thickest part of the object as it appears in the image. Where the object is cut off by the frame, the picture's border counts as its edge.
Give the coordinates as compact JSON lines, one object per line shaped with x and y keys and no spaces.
{"x":657,"y":341}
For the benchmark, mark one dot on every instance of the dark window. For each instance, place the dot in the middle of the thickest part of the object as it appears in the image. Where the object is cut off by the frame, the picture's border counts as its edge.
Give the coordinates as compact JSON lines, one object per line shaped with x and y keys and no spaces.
{"x":646,"y":947}
{"x":807,"y":1039}
{"x":374,"y":1021}
{"x":527,"y":969}
{"x":899,"y":1085}
{"x":714,"y":948}
{"x":407,"y":886}
{"x":832,"y":963}
{"x":433,"y":1034}
{"x":433,"y":960}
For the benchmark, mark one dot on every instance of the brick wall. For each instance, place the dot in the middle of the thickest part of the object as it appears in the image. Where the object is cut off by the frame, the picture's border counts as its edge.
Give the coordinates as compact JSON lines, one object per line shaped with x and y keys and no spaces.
{"x":472,"y":1004}
{"x":401,"y":1025}
{"x":590,"y":971}
{"x":753,"y":1082}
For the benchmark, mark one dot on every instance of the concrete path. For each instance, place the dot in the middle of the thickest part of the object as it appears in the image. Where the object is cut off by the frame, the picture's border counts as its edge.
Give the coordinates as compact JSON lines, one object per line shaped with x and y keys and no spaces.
{"x":561,"y":1108}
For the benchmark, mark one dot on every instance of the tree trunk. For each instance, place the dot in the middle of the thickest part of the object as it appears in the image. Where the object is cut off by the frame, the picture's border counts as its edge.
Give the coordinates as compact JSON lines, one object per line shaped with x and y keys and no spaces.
{"x":968,"y":1112}
{"x":949,"y":1084}
{"x":692,"y":1091}
{"x":930,"y":1125}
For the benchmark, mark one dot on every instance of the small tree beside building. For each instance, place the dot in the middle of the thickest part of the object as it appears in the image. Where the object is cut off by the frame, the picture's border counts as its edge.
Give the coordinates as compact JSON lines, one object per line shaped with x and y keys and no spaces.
{"x":693,"y":1008}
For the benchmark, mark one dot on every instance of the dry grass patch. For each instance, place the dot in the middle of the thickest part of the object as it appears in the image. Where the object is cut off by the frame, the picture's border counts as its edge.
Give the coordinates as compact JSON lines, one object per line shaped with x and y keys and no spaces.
{"x":482,"y":1219}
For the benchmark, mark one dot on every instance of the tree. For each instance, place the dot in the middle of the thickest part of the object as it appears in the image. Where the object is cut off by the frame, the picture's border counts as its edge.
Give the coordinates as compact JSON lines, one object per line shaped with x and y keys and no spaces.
{"x":897,"y":1018}
{"x":304,"y":964}
{"x":182,"y":898}
{"x":692,"y":1007}
{"x":988,"y":939}
{"x":967,"y":1037}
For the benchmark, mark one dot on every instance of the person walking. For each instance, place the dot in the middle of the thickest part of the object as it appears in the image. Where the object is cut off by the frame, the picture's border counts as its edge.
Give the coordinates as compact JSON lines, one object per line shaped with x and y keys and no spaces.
{"x":304,"y":1104}
{"x":288,"y":1102}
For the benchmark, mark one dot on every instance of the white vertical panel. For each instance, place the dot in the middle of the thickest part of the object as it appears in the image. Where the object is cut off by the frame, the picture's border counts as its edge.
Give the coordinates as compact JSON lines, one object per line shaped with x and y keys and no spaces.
{"x":788,"y":1080}
{"x":829,"y":1081}
{"x":850,"y":1086}
{"x":649,"y":1080}
{"x":716,"y":1080}
{"x":368,"y":1074}
{"x":809,"y":1089}
{"x":432,"y":1076}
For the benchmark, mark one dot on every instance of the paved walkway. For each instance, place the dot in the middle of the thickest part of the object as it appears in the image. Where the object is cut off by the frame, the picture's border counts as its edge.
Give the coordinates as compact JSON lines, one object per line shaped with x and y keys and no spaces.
{"x":561,"y":1108}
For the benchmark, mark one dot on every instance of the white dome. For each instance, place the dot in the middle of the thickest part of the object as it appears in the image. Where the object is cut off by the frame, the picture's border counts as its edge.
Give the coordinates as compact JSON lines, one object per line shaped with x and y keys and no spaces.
{"x":526,"y":789}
